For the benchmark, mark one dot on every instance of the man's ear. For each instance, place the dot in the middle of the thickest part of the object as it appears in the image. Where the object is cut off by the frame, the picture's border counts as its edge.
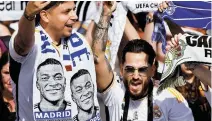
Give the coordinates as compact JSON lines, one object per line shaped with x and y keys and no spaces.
{"x":121,"y":70}
{"x":37,"y":85}
{"x":153,"y":68}
{"x":73,"y":98}
{"x":44,"y":16}
{"x":65,"y":82}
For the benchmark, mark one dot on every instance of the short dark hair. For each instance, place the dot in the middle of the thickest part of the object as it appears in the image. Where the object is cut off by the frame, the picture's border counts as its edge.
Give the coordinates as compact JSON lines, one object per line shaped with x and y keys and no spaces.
{"x":50,"y":5}
{"x":49,"y":61}
{"x":3,"y":61}
{"x":78,"y":74}
{"x":137,"y":46}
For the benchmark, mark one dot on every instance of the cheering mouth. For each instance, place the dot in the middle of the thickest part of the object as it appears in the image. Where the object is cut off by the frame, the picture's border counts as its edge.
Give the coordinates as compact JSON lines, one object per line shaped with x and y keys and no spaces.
{"x":69,"y":25}
{"x":135,"y":86}
{"x":88,"y":98}
{"x":53,"y":89}
{"x":135,"y":83}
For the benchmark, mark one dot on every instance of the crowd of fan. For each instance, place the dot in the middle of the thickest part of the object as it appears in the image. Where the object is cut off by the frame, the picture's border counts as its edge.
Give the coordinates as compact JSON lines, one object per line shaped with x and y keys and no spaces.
{"x":192,"y":90}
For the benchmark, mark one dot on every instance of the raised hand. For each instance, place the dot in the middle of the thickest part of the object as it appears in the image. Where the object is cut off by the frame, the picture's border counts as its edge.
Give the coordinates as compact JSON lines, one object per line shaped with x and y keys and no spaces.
{"x":34,"y":7}
{"x":162,"y":6}
{"x":174,"y":42}
{"x":109,"y":7}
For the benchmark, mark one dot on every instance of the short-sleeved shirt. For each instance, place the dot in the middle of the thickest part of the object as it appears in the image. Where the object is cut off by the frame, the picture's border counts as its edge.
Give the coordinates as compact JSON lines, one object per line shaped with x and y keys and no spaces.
{"x":165,"y":105}
{"x":74,"y":53}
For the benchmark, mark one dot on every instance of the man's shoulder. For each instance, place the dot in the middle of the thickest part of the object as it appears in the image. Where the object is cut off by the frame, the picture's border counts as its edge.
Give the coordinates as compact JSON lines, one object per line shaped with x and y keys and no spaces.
{"x":114,"y":93}
{"x":116,"y":84}
{"x":170,"y":93}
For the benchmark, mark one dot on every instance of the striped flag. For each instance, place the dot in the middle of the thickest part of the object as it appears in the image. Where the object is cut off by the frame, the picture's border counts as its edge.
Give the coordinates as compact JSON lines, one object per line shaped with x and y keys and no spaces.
{"x":190,"y":13}
{"x":195,"y":14}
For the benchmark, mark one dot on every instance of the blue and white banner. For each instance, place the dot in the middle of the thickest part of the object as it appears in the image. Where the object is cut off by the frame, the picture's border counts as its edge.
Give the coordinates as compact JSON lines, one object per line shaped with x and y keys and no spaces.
{"x":190,"y":13}
{"x":195,"y":14}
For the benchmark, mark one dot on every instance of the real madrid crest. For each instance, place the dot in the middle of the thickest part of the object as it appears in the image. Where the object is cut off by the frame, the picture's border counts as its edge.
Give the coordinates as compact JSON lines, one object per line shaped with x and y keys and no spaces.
{"x":156,"y":112}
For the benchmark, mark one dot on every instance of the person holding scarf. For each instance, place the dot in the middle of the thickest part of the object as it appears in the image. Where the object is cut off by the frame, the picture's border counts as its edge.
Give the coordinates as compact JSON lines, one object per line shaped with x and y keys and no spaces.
{"x":46,"y":31}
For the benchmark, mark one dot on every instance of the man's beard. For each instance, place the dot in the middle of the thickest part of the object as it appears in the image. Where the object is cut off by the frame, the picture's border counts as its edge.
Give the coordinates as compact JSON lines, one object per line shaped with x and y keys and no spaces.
{"x":142,"y":94}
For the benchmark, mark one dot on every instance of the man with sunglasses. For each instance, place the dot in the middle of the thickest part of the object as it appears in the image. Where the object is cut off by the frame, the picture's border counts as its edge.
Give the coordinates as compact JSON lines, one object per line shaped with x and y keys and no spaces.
{"x":133,"y":99}
{"x":51,"y":37}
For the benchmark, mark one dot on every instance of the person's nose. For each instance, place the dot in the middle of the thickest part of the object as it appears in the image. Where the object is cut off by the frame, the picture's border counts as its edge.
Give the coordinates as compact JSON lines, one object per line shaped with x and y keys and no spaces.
{"x":136,"y":74}
{"x":52,"y":82}
{"x":73,"y":15}
{"x":85,"y":92}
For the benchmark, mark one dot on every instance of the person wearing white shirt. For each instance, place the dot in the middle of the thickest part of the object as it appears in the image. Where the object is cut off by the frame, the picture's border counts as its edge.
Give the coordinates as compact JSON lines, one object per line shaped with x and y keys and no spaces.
{"x":133,"y":99}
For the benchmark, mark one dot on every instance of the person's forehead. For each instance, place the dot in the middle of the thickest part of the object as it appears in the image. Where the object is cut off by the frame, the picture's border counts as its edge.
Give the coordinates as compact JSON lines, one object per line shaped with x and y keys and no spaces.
{"x":136,"y":59}
{"x":82,"y":79}
{"x":51,"y":68}
{"x":6,"y":65}
{"x":66,"y":5}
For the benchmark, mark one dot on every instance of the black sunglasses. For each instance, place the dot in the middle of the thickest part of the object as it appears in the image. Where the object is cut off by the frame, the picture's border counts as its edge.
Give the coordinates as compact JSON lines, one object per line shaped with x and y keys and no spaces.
{"x":131,"y":70}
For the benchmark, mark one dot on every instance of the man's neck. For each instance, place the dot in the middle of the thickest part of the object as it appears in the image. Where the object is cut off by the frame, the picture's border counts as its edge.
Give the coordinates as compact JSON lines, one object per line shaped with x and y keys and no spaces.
{"x":83,"y":115}
{"x":54,"y":36}
{"x":46,"y":105}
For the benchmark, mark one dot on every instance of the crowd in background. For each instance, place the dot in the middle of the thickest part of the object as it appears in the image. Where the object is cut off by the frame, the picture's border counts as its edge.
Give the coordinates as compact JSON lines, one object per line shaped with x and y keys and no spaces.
{"x":193,"y":89}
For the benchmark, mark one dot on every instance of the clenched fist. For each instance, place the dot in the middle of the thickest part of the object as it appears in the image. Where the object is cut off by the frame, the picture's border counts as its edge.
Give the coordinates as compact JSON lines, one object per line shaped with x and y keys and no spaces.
{"x":34,"y":7}
{"x":109,"y":7}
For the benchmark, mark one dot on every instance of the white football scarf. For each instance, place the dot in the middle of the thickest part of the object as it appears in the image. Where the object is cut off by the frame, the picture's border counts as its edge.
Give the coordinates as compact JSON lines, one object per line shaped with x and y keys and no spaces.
{"x":194,"y":48}
{"x":50,"y":51}
{"x":75,"y":55}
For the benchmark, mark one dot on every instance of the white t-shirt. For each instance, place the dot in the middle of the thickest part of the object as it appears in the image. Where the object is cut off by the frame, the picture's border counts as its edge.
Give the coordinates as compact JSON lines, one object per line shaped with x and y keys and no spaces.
{"x":166,"y":105}
{"x":208,"y":95}
{"x":74,"y":55}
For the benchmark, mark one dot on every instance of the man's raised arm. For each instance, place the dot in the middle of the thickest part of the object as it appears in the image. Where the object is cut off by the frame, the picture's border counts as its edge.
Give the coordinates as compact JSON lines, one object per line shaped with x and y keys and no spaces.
{"x":103,"y":69}
{"x":24,"y":40}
